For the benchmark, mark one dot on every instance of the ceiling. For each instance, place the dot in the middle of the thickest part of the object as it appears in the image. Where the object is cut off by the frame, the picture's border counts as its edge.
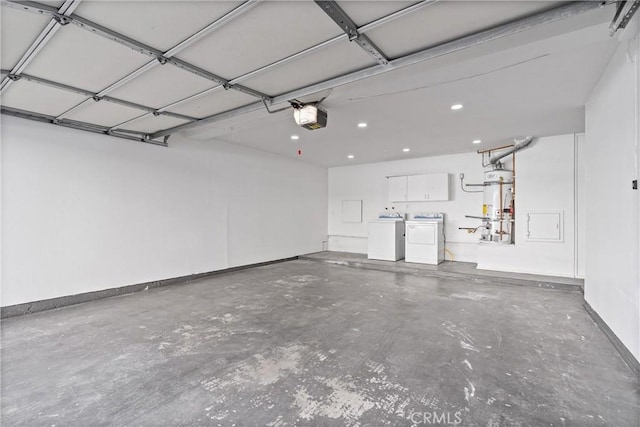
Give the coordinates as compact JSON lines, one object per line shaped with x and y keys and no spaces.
{"x":532,"y":82}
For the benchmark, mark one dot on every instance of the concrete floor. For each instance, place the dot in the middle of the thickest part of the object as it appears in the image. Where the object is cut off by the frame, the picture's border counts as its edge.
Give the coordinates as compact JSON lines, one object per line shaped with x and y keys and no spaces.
{"x":310,"y":343}
{"x":446,"y":269}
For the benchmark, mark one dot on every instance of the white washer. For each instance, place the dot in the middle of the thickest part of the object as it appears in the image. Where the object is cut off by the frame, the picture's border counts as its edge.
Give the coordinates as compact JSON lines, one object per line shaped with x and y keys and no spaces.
{"x":425,"y":239}
{"x":386,"y":239}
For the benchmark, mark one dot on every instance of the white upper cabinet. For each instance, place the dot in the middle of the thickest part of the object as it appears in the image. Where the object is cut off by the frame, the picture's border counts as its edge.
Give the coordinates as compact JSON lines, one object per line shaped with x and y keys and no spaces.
{"x":419,"y":188}
{"x":437,"y":186}
{"x":398,"y":189}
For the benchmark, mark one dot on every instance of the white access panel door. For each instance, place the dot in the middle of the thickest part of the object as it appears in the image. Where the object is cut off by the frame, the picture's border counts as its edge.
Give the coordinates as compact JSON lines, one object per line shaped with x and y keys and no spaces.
{"x":386,"y":240}
{"x":544,"y":226}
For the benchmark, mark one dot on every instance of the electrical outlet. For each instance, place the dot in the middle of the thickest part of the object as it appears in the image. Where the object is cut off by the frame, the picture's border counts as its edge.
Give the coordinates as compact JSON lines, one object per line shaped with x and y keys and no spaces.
{"x":461,"y":175}
{"x":634,"y":184}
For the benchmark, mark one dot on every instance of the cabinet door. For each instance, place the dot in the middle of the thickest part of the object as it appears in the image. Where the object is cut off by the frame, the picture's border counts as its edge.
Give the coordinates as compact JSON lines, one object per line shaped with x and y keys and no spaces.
{"x":417,"y":188}
{"x":397,"y":189}
{"x":437,"y":186}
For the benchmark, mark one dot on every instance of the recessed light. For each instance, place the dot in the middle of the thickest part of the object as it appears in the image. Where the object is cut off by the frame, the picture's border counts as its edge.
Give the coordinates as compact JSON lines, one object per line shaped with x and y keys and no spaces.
{"x":406,"y":150}
{"x":456,"y":107}
{"x":295,"y":137}
{"x":350,"y":156}
{"x":362,"y":125}
{"x":477,"y":141}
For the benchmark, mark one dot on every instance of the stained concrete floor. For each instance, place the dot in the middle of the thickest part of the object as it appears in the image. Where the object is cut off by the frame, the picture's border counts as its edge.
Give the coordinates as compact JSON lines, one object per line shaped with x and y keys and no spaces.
{"x":310,"y":343}
{"x":445,"y":269}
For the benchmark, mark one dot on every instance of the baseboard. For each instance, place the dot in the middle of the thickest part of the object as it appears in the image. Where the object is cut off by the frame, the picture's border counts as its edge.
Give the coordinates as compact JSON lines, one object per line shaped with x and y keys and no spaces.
{"x":624,"y":352}
{"x":352,"y":244}
{"x":48,"y":304}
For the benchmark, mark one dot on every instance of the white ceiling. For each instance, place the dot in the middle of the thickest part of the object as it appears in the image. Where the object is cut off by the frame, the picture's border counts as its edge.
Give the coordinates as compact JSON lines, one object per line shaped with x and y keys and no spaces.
{"x":535,"y":82}
{"x":79,"y":58}
{"x":268,"y":32}
{"x":443,"y":21}
{"x":18,"y":33}
{"x":160,"y":24}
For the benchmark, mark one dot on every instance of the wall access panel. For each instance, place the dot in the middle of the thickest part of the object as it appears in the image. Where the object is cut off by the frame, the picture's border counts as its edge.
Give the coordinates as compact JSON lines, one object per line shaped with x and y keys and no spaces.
{"x":352,"y":211}
{"x":545,"y":226}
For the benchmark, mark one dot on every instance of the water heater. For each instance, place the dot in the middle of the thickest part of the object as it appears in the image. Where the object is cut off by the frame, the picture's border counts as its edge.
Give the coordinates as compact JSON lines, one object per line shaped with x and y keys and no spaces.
{"x":498,"y":194}
{"x":497,"y":207}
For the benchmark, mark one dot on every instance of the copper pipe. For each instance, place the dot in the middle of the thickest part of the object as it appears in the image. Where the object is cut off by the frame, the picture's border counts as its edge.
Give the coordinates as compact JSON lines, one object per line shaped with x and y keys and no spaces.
{"x":495,"y":148}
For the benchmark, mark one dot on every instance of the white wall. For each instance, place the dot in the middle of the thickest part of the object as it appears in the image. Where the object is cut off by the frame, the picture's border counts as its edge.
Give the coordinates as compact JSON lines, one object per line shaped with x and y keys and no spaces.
{"x":367,"y":182}
{"x":581,"y":211}
{"x":612,"y":284}
{"x":545,"y":181}
{"x":84,"y":212}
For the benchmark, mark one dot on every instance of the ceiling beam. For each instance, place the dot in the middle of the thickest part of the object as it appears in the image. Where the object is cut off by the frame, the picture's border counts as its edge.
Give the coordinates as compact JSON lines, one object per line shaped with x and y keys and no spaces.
{"x":350,"y":28}
{"x":168,"y":56}
{"x":368,"y":27}
{"x":624,"y":13}
{"x":482,"y":37}
{"x":218,"y":23}
{"x":395,"y":15}
{"x":88,"y":127}
{"x":145,"y":49}
{"x":365,"y":28}
{"x":118,"y":126}
{"x":43,"y":38}
{"x":234,"y":13}
{"x":94,"y":96}
{"x":186,"y":43}
{"x":190,"y":98}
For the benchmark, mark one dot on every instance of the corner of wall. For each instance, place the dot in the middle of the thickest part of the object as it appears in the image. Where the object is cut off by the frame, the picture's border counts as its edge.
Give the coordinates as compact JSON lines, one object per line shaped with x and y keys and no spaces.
{"x":612,"y":280}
